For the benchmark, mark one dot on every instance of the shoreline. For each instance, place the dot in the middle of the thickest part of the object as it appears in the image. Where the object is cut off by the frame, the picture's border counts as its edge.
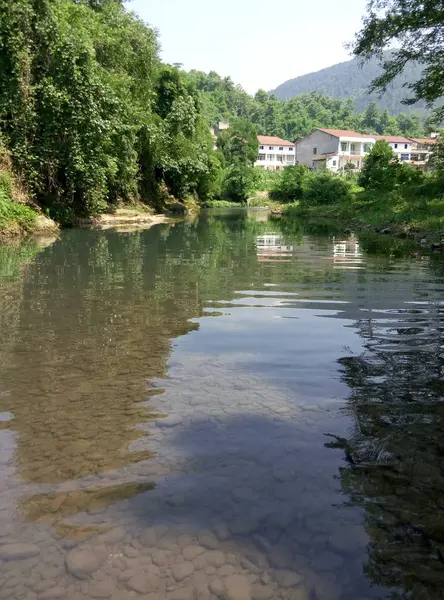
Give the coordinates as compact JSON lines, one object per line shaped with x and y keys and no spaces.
{"x":122,"y":219}
{"x":427,"y":238}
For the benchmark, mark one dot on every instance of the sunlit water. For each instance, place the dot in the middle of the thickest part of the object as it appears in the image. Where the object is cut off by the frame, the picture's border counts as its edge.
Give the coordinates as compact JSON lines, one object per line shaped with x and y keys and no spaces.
{"x":226,"y":408}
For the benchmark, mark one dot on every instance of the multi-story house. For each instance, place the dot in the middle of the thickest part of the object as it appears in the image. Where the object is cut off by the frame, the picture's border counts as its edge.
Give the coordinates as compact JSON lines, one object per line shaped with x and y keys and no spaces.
{"x":333,"y":149}
{"x":422,"y":149}
{"x":401,"y":146}
{"x":274,"y":153}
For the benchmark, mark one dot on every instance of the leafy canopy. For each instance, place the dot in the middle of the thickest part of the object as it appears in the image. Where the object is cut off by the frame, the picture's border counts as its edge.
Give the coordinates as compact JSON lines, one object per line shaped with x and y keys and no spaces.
{"x":417,"y":27}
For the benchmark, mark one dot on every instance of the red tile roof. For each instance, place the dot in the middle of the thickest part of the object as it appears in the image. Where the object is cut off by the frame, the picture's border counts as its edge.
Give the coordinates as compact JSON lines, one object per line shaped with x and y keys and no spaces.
{"x":425,"y":141}
{"x":272,"y":140}
{"x":345,"y":133}
{"x":393,"y":139}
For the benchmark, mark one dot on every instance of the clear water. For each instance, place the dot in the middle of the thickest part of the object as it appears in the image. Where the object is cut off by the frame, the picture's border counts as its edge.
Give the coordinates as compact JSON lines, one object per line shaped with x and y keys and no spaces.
{"x":232,"y":407}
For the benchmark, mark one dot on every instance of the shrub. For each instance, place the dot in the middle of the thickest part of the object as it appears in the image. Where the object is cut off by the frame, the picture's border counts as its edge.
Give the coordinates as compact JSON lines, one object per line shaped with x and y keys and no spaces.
{"x":11,"y":212}
{"x":289,"y":187}
{"x":239,"y":183}
{"x":380,"y":168}
{"x":325,"y":188}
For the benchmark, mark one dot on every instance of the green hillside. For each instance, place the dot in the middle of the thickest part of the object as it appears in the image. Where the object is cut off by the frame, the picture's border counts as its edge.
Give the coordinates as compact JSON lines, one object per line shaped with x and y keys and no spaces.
{"x":350,"y":79}
{"x":223,"y":100}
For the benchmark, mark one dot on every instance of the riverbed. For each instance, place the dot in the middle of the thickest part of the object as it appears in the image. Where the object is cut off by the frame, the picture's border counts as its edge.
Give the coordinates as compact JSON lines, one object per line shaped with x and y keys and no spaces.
{"x":235,"y":406}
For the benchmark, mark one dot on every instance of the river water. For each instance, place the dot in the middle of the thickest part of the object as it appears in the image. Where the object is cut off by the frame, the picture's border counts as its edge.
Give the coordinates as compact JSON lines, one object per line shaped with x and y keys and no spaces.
{"x":231,"y":407}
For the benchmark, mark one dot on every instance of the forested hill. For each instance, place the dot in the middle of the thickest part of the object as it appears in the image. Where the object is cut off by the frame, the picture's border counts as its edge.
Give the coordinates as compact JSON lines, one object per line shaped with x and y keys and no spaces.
{"x":223,"y":100}
{"x":351,"y":80}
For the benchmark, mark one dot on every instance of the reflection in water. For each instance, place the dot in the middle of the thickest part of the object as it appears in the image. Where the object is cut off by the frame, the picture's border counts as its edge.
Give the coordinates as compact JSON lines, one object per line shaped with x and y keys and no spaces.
{"x":164,"y":400}
{"x":396,"y":452}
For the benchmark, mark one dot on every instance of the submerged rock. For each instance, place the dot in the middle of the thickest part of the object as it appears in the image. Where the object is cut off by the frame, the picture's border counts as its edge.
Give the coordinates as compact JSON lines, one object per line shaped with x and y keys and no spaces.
{"x":82,"y":562}
{"x":18,"y":551}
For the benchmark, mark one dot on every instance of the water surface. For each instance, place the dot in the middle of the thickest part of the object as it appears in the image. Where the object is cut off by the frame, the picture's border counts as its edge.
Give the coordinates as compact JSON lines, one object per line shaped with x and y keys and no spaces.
{"x":231,"y":407}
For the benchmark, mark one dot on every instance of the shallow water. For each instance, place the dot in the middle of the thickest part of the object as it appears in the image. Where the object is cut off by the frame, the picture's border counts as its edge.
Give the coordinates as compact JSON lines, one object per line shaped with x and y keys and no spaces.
{"x":233,"y":407}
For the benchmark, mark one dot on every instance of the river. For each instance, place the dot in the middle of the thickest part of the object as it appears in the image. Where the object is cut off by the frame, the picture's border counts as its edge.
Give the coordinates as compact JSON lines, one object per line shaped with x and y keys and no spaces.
{"x":234,"y":406}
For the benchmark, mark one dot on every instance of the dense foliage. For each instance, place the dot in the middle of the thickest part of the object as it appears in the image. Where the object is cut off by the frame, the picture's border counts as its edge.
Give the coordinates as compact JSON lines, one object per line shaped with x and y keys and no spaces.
{"x":382,"y":171}
{"x":350,"y":79}
{"x":417,"y":27}
{"x":90,"y":114}
{"x":224,"y":101}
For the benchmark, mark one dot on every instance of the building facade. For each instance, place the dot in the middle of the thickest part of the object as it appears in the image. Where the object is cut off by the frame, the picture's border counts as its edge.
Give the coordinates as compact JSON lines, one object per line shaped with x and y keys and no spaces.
{"x":401,"y":146}
{"x":422,"y":150}
{"x":274,"y":153}
{"x":333,"y":149}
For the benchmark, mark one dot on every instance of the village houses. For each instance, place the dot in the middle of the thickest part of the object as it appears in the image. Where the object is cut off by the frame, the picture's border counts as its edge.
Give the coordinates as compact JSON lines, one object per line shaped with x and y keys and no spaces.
{"x":274,"y":153}
{"x":334,"y":149}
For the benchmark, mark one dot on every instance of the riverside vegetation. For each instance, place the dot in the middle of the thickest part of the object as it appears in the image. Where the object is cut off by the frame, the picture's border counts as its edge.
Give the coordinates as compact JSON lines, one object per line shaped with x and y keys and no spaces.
{"x":92,"y":119}
{"x":386,"y":194}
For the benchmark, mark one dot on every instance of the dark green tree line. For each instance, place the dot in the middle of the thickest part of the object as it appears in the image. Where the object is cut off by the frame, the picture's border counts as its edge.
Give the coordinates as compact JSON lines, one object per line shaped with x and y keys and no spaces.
{"x":89,"y":112}
{"x":224,"y":101}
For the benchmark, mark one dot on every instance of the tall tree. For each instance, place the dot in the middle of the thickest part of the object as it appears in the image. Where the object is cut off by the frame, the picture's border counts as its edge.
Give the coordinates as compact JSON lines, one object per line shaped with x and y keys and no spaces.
{"x":417,"y":26}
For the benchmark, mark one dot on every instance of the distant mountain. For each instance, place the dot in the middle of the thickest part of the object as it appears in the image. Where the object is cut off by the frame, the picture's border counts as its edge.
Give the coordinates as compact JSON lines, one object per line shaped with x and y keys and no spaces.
{"x":351,"y":80}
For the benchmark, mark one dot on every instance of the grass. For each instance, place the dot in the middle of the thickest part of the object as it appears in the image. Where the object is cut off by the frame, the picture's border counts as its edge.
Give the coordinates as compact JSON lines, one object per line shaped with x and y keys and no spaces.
{"x":15,"y":216}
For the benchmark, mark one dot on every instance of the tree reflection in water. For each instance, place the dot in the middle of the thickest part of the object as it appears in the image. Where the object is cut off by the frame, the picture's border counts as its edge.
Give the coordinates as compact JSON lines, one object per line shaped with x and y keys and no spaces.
{"x":395,"y":454}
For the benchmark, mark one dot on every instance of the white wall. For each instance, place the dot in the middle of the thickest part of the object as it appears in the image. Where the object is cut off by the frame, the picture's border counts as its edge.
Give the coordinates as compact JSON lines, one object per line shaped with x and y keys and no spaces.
{"x":284,"y":153}
{"x":323,"y":142}
{"x":401,"y":148}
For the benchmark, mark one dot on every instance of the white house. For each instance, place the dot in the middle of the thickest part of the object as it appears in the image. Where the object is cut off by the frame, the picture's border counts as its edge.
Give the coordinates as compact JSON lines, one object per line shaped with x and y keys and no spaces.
{"x":422,"y":150}
{"x":401,"y":146}
{"x":274,"y":153}
{"x":333,"y":149}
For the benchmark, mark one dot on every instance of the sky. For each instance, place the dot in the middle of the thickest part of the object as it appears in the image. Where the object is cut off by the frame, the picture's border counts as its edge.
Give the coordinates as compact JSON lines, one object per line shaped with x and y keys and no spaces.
{"x":258,"y":43}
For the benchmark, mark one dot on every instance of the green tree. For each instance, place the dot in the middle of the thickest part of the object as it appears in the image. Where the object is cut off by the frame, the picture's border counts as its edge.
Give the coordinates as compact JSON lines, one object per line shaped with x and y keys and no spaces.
{"x":379,"y":171}
{"x":417,"y":27}
{"x":239,"y":182}
{"x":372,"y":118}
{"x":289,"y":187}
{"x":239,"y":143}
{"x":325,"y":187}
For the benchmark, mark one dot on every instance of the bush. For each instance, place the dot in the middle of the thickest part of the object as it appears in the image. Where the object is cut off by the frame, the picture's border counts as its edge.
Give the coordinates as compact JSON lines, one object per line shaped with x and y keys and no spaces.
{"x":380,"y":168}
{"x":408,"y":176}
{"x":325,"y":188}
{"x":289,"y":187}
{"x":239,"y":183}
{"x":13,"y":213}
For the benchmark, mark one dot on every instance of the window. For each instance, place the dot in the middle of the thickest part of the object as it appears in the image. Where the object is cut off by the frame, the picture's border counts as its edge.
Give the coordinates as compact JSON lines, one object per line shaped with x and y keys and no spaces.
{"x":261,"y":157}
{"x":270,"y":157}
{"x":315,"y":150}
{"x":271,"y":147}
{"x":279,"y":158}
{"x":334,"y":163}
{"x":291,"y":149}
{"x":415,"y":157}
{"x":352,"y":147}
{"x":404,"y":157}
{"x":344,"y":146}
{"x":281,"y":148}
{"x":261,"y":147}
{"x":406,"y":146}
{"x":367,"y":147}
{"x":290,"y":159}
{"x":396,"y":145}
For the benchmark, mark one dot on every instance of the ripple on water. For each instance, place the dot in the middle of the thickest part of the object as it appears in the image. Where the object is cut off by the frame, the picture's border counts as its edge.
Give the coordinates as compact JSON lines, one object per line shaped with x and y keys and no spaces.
{"x":286,"y":447}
